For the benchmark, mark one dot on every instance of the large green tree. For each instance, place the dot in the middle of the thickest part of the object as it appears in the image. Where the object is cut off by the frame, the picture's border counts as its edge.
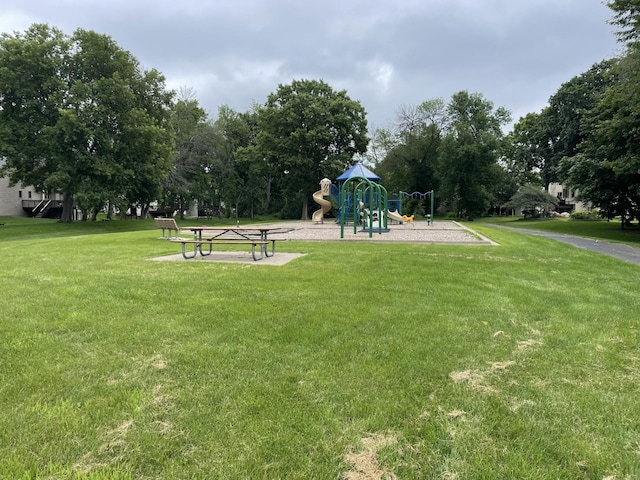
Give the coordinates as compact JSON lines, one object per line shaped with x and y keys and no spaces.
{"x":469,"y":153}
{"x":607,"y":171}
{"x":539,"y":141}
{"x":234,"y":131}
{"x":412,"y":163}
{"x":527,"y":150}
{"x":259,"y":174}
{"x":80,"y":117}
{"x":310,"y":131}
{"x":193,"y":146}
{"x":566,"y":110}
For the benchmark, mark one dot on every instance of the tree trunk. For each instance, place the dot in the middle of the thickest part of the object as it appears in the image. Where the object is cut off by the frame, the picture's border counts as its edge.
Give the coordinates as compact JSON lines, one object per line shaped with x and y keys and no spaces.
{"x":110,"y":210}
{"x":269,"y":179}
{"x":305,"y":208}
{"x":67,"y":208}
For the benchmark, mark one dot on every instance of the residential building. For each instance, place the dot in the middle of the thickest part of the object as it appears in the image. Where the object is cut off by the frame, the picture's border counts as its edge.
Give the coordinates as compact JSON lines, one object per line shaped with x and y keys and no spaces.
{"x":567,"y":199}
{"x":21,"y":201}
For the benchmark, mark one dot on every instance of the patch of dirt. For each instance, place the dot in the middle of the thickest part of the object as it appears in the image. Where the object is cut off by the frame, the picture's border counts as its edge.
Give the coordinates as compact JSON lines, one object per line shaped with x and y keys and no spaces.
{"x":473,"y":378}
{"x":158,"y":397}
{"x":115,"y":437}
{"x":524,"y":344}
{"x":86,"y":465}
{"x":470,"y":376}
{"x":502,"y":365}
{"x":158,"y":362}
{"x":456,"y":414}
{"x":518,"y":405}
{"x":364,"y":464}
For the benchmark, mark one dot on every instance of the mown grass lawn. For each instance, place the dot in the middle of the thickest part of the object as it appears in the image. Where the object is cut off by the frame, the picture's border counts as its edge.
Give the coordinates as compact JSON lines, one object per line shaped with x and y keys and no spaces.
{"x":356,"y":361}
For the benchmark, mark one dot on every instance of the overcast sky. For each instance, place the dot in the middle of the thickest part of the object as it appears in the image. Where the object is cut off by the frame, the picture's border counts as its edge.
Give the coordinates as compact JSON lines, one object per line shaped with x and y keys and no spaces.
{"x":384,"y":53}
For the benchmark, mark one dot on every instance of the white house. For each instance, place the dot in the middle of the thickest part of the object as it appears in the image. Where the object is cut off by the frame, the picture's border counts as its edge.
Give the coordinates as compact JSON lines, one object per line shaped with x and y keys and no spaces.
{"x":568,"y":201}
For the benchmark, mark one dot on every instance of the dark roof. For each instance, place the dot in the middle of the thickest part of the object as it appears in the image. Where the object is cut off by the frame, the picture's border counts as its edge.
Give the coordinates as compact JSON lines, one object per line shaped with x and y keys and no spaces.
{"x":358,"y":170}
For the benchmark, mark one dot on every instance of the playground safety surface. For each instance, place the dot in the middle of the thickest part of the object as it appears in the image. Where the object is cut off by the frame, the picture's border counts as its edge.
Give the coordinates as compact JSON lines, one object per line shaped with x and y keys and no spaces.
{"x":439,"y":233}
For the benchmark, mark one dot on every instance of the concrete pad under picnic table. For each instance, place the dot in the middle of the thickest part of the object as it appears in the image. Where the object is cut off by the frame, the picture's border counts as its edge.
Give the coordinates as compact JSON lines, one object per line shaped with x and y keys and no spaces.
{"x":233,"y":257}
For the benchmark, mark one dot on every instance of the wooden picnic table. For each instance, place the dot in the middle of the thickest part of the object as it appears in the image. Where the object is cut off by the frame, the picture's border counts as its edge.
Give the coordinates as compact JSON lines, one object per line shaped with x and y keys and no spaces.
{"x":256,"y":236}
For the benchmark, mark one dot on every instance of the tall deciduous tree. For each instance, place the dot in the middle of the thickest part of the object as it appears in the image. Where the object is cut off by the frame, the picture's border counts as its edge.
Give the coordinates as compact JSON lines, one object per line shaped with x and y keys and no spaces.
{"x":234,"y":130}
{"x":469,"y":153}
{"x":566,"y":110}
{"x":82,"y":118}
{"x":539,"y":141}
{"x":193,"y":146}
{"x":310,"y":131}
{"x":411,"y":165}
{"x":527,"y":149}
{"x":607,"y":172}
{"x":383,"y":140}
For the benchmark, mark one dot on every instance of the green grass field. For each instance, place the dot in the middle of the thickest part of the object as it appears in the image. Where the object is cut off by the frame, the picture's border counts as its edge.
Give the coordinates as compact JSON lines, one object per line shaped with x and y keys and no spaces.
{"x":356,"y":361}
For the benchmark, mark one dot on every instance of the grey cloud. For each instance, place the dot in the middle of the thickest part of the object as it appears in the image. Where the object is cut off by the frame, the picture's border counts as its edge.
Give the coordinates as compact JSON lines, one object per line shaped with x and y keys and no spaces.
{"x":385,"y":54}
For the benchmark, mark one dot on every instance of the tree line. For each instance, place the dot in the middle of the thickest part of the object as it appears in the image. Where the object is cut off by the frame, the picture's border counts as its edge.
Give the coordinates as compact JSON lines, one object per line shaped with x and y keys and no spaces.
{"x":587,"y":138}
{"x":80,"y":117}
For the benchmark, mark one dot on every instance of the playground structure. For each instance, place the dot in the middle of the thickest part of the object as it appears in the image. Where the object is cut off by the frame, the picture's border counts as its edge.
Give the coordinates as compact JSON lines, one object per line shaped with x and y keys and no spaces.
{"x":371,"y":199}
{"x":364,"y":202}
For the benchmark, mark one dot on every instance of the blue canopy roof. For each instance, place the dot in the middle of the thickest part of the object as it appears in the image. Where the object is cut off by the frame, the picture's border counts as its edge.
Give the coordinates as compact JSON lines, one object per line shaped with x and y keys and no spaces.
{"x":358,"y":170}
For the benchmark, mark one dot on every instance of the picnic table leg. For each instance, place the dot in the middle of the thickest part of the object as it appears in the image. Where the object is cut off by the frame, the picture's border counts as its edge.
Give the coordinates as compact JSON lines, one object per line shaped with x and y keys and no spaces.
{"x":253,"y":251}
{"x":184,"y":251}
{"x":207,"y":253}
{"x":265,"y":248}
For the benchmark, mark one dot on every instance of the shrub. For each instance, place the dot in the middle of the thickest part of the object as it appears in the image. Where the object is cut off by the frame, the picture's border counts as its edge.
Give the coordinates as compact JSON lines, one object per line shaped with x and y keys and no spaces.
{"x":590,"y":215}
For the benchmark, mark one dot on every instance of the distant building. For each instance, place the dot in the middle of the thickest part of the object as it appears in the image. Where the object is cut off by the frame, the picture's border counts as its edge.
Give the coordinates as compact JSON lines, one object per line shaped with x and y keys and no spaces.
{"x":11,"y":198}
{"x":21,"y":201}
{"x":567,"y":199}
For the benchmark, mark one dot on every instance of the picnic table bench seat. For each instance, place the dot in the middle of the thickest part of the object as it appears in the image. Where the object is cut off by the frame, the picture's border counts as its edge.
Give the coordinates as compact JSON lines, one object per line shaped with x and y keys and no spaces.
{"x":169,"y":225}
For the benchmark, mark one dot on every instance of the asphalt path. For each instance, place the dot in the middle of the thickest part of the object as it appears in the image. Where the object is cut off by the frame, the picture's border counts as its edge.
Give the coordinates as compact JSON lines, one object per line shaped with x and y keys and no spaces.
{"x":617,"y":250}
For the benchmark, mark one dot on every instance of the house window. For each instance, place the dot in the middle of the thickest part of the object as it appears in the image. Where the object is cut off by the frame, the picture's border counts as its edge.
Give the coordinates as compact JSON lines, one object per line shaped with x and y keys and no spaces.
{"x":29,"y":194}
{"x":19,"y":193}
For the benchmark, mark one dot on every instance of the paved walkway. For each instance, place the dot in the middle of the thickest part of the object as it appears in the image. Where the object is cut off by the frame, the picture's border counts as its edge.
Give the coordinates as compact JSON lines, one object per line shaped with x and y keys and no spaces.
{"x":617,"y":250}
